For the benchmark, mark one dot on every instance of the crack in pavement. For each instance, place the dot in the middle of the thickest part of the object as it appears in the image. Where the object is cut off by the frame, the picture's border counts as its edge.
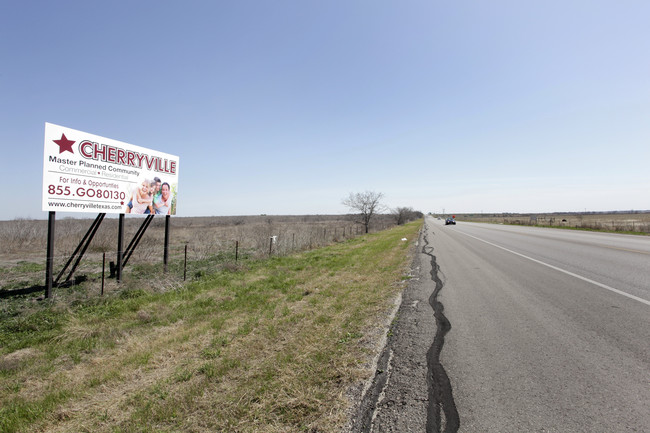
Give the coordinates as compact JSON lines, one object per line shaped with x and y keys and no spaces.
{"x":410,"y":390}
{"x":441,"y":398}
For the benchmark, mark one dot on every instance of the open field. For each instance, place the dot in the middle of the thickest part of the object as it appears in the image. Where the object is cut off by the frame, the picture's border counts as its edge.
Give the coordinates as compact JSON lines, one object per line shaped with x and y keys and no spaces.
{"x":208,"y":239}
{"x":280,"y":344}
{"x":626,"y":222}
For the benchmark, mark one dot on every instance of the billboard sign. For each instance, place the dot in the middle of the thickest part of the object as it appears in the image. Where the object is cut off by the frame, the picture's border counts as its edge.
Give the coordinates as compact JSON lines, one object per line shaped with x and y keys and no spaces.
{"x":83,"y":172}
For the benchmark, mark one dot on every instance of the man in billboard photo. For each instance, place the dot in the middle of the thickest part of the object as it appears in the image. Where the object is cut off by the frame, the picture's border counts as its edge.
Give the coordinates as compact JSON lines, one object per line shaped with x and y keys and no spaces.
{"x":164,"y":201}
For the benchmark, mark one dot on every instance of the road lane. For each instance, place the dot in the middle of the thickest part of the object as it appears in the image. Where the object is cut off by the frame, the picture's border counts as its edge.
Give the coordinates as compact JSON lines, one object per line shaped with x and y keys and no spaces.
{"x":619,"y":261}
{"x":596,"y":283}
{"x":534,"y":349}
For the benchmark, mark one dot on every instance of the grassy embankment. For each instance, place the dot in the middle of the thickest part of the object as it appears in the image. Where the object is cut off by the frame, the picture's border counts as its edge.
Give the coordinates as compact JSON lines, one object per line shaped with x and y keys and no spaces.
{"x":273,"y":346}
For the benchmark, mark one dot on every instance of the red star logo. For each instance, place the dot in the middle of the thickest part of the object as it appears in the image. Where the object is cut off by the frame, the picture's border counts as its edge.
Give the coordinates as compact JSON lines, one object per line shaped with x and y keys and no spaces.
{"x":64,"y":144}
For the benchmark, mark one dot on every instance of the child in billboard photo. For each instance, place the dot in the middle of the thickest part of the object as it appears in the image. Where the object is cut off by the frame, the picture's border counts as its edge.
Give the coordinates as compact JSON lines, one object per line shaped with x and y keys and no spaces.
{"x":155,"y":196}
{"x":142,"y":197}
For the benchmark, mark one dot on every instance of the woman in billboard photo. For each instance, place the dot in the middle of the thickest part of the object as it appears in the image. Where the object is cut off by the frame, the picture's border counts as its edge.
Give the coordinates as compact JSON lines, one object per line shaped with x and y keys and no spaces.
{"x":142,"y":197}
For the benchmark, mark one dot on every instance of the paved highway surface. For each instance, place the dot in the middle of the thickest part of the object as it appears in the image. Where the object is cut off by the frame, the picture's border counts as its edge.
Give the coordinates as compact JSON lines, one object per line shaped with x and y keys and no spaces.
{"x":518,"y":329}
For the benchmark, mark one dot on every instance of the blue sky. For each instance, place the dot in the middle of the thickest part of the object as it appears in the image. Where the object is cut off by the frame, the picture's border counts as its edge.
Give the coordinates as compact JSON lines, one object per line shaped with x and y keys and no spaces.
{"x":285,"y":107}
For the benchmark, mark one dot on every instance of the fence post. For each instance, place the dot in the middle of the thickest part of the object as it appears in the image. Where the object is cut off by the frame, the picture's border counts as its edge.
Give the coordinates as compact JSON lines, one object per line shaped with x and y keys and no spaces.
{"x":236,"y":251}
{"x":185,"y":265}
{"x":103,"y":271}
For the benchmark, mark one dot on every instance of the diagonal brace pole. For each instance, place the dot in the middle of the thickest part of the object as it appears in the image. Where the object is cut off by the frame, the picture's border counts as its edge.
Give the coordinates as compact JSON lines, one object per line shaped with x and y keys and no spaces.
{"x":83,"y":245}
{"x":136,"y":239}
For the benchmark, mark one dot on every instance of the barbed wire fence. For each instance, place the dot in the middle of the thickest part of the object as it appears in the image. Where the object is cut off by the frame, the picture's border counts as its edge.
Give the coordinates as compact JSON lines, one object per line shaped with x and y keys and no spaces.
{"x":196,"y":249}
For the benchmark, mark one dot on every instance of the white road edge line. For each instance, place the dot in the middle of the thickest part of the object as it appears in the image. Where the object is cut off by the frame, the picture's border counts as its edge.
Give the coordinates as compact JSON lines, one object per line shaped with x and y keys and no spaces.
{"x":604,"y":286}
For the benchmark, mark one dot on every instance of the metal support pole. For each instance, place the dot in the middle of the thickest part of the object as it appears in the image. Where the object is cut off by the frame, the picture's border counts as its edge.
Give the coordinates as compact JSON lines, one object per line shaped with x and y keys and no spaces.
{"x":136,"y":239}
{"x":120,"y":246}
{"x":166,"y":255}
{"x":83,"y":246}
{"x":49,"y":267}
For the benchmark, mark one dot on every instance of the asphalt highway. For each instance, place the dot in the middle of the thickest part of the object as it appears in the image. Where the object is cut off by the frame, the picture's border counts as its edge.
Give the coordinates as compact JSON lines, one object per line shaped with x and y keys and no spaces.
{"x":518,"y":329}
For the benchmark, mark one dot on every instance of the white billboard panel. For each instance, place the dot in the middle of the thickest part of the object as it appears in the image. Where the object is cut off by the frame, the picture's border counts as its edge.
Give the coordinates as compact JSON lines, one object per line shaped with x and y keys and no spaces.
{"x":83,"y":172}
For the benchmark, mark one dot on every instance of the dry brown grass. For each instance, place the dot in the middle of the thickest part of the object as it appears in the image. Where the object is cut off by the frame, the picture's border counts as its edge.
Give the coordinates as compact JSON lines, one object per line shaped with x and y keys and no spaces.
{"x":24,"y":241}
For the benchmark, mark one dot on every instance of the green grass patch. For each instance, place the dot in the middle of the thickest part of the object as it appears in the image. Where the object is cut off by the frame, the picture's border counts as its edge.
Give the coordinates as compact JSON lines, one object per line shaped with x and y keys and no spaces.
{"x":271,"y":346}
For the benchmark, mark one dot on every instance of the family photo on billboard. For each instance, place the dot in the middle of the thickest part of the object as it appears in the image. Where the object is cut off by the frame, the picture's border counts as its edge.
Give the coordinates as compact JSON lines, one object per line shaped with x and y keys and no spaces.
{"x":151,"y":197}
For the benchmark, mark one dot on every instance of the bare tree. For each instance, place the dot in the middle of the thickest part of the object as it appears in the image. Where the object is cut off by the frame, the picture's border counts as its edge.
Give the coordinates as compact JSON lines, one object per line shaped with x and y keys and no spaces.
{"x":402,"y":214}
{"x":405,"y":214}
{"x":366,"y":203}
